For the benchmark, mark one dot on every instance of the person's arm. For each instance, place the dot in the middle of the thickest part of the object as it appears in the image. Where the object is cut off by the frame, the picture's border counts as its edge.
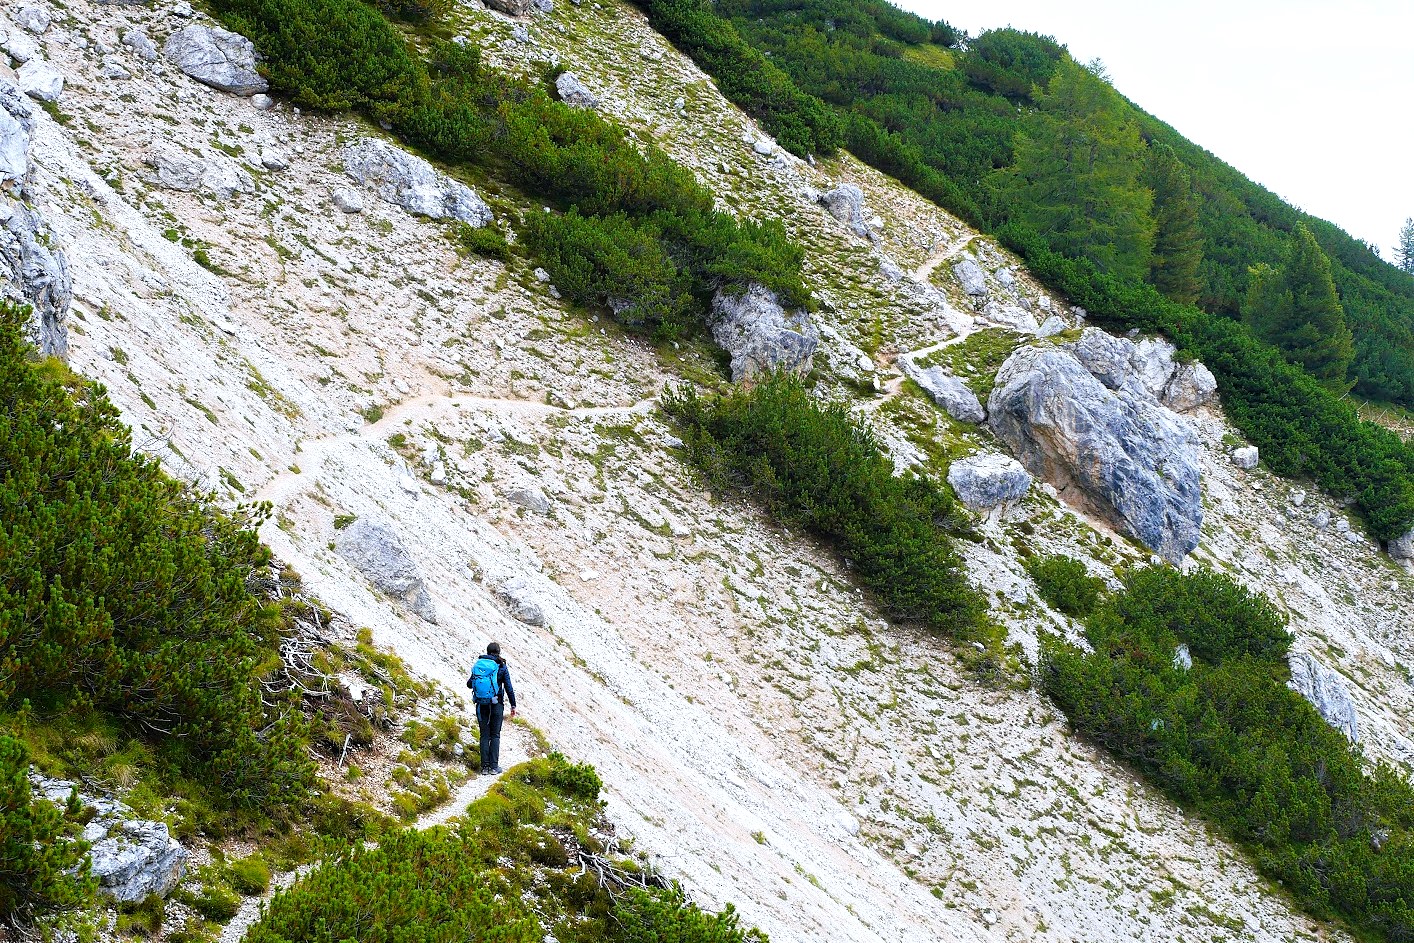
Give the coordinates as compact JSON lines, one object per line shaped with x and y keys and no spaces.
{"x":506,"y":685}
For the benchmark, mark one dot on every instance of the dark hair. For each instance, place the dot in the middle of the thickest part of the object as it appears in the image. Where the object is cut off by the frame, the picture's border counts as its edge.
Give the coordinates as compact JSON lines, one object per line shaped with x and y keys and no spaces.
{"x":494,"y":648}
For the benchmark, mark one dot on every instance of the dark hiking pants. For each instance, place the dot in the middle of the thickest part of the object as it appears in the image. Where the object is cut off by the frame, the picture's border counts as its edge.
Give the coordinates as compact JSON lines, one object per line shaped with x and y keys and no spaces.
{"x":488,"y":728}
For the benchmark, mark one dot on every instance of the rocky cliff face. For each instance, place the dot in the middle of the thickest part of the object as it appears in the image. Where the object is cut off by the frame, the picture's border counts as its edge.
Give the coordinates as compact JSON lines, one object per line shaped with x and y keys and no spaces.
{"x":762,"y":731}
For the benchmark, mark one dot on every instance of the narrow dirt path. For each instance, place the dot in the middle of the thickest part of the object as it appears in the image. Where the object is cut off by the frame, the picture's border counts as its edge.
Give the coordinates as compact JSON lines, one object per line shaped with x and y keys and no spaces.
{"x":313,"y":452}
{"x":952,"y":250}
{"x":514,"y":750}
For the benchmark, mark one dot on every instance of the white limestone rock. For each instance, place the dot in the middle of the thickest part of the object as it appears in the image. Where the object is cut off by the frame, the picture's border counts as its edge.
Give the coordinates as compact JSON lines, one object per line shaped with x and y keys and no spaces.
{"x":949,"y":392}
{"x":40,"y":80}
{"x":520,"y":600}
{"x":410,"y":182}
{"x":1326,"y":691}
{"x":573,"y":92}
{"x":846,"y":204}
{"x":141,"y":44}
{"x":375,"y":549}
{"x":760,"y":335}
{"x":216,"y":57}
{"x":971,"y":277}
{"x":217,"y":175}
{"x":1246,"y":457}
{"x":137,"y":859}
{"x":32,"y":18}
{"x":987,"y":481}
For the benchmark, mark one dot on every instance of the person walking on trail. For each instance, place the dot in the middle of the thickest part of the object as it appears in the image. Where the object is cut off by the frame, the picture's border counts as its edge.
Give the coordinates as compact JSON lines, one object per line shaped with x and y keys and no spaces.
{"x":490,"y":684}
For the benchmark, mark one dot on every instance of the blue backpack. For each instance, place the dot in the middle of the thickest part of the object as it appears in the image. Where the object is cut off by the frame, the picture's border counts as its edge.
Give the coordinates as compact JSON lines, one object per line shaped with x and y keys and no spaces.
{"x":485,"y":680}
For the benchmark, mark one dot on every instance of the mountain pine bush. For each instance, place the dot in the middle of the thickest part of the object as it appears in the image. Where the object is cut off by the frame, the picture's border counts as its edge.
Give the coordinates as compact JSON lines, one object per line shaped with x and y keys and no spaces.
{"x":35,"y":858}
{"x":1229,"y":739}
{"x":506,"y":872}
{"x":812,"y":466}
{"x":122,"y":590}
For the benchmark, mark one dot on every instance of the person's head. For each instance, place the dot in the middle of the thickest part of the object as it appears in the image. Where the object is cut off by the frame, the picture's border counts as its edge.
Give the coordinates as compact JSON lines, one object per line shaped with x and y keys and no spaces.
{"x":494,"y":648}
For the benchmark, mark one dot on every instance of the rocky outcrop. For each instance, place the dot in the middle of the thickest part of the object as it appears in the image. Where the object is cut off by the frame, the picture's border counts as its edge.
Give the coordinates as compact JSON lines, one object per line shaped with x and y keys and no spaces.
{"x":971,"y":277}
{"x":529,"y":497}
{"x":573,"y":93}
{"x":1402,"y":548}
{"x":1326,"y":691}
{"x":40,"y":80}
{"x":1148,"y":368}
{"x":412,"y":183}
{"x":174,"y":168}
{"x":1126,"y":458}
{"x":137,"y":859}
{"x":131,"y":858}
{"x":36,"y":274}
{"x":32,"y":18}
{"x":987,"y":481}
{"x":760,"y":335}
{"x":216,"y":57}
{"x":16,"y":125}
{"x":520,"y":600}
{"x":378,"y":553}
{"x":33,"y":269}
{"x":949,"y":392}
{"x":846,"y":204}
{"x":140,"y":43}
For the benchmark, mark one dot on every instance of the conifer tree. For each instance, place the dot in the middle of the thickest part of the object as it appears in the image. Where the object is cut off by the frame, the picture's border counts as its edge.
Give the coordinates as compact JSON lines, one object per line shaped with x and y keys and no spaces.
{"x":1297,"y":311}
{"x":1076,"y":179}
{"x":1178,"y":240}
{"x":1404,"y":254}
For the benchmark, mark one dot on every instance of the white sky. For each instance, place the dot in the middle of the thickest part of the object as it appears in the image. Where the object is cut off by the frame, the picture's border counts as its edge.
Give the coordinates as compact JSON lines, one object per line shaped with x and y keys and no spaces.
{"x":1314,"y":100}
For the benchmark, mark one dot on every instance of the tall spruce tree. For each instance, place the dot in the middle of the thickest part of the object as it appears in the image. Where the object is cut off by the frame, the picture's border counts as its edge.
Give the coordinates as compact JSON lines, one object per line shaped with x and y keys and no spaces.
{"x":1178,"y":239}
{"x":1404,"y":253}
{"x":1297,"y":311}
{"x":1077,"y":175}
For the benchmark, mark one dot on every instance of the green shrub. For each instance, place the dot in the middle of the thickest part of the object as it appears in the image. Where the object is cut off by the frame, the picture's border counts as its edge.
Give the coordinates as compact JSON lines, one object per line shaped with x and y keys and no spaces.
{"x":483,"y":241}
{"x":249,"y":876}
{"x":812,"y":466}
{"x":215,"y":902}
{"x":1066,"y":584}
{"x":121,"y":589}
{"x":35,"y":858}
{"x":1227,"y":738}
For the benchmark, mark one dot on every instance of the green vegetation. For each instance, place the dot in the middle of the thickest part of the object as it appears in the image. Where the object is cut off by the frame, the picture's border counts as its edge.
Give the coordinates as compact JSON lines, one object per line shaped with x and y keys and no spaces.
{"x":634,"y":232}
{"x":1228,"y":738}
{"x":1066,"y":584}
{"x":509,"y":871}
{"x":812,"y":466}
{"x":987,"y":132}
{"x":34,"y":862}
{"x":977,"y":358}
{"x":124,"y":592}
{"x":1296,"y":310}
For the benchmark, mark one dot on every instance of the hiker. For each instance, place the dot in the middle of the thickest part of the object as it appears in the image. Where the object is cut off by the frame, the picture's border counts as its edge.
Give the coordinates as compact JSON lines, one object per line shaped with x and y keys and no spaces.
{"x":490,"y":684}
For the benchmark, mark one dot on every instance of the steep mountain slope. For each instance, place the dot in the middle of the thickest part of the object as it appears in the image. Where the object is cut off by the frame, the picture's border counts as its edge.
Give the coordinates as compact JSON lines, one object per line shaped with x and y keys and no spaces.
{"x":761,"y":731}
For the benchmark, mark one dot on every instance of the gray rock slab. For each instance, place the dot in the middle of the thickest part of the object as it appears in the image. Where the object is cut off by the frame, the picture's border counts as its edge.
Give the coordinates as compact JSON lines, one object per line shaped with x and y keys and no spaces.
{"x":760,"y":335}
{"x":1131,"y":461}
{"x":1327,"y":692}
{"x":216,"y":57}
{"x":987,"y":481}
{"x":949,"y":392}
{"x":375,"y":550}
{"x":573,"y":92}
{"x":412,"y":183}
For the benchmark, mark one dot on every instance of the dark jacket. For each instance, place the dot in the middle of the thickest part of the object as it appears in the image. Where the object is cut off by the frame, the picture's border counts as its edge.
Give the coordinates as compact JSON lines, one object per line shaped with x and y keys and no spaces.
{"x":503,"y":681}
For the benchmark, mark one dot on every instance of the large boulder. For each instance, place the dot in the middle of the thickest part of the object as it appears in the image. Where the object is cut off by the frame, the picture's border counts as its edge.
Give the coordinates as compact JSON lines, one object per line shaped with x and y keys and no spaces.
{"x":1402,"y":548}
{"x":1326,"y":691}
{"x":512,"y":7}
{"x":216,"y":57}
{"x":1193,"y":385}
{"x":137,"y":859}
{"x":375,"y":549}
{"x":40,"y":80}
{"x":412,"y":183}
{"x":760,"y":335}
{"x":986,"y":481}
{"x":949,"y":392}
{"x":573,"y":93}
{"x":1124,"y":457}
{"x":846,"y":204}
{"x":35,"y":272}
{"x":971,"y":277}
{"x":1106,"y":357}
{"x":520,"y":600}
